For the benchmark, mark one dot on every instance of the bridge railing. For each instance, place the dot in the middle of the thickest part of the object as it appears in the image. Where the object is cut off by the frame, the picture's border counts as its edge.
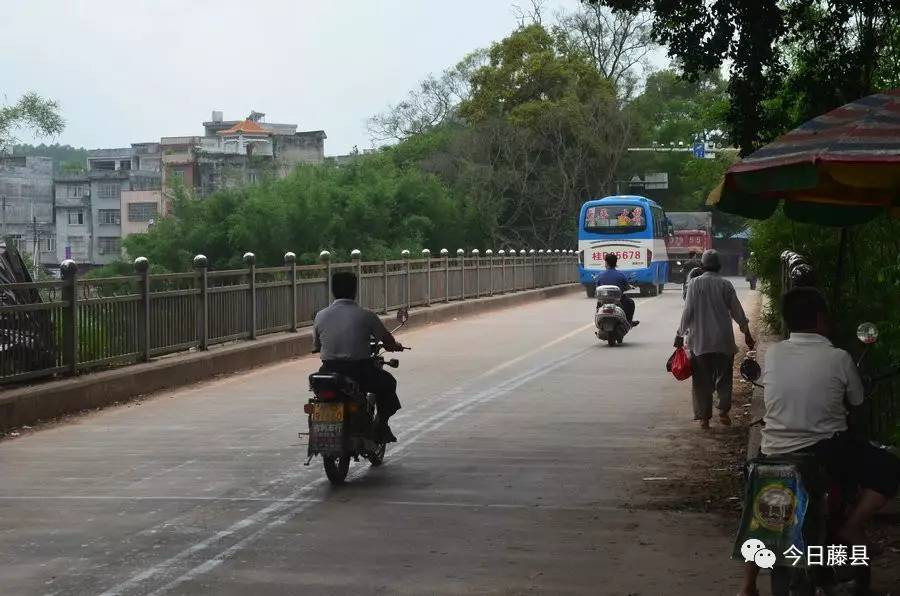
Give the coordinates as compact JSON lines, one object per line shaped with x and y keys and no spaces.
{"x":80,"y":324}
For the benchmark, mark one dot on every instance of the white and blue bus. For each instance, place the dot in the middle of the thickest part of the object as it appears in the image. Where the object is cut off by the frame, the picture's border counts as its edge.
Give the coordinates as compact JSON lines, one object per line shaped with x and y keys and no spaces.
{"x":635,"y":229}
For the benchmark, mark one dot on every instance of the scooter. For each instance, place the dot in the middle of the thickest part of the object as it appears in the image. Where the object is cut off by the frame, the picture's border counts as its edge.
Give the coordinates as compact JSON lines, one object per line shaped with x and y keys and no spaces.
{"x":826,"y":508}
{"x":609,"y":318}
{"x":342,"y":422}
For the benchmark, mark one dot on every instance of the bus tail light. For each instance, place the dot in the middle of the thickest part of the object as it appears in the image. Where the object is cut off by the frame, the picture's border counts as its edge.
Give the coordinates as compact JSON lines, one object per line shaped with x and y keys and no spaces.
{"x":649,"y":257}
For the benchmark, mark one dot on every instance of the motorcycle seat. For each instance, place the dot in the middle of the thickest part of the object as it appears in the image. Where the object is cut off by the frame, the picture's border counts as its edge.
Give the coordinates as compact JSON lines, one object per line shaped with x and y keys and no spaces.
{"x":333,"y":381}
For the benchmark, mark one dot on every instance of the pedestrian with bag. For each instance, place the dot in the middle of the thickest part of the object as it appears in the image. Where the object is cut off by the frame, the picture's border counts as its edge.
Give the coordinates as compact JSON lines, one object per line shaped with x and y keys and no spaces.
{"x":710,"y":306}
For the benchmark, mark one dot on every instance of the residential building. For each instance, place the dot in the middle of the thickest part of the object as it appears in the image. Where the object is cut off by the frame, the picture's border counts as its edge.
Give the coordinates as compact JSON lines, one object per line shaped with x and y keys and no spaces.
{"x":91,"y":209}
{"x":234,"y":153}
{"x":26,"y":205}
{"x":73,"y":221}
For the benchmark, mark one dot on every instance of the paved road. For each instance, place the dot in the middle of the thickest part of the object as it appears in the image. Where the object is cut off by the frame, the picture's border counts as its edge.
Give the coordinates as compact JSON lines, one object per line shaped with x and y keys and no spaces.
{"x":522,"y":440}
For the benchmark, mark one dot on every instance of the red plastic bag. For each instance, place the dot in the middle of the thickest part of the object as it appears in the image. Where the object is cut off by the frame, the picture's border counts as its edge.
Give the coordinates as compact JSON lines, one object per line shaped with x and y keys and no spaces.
{"x":679,"y":364}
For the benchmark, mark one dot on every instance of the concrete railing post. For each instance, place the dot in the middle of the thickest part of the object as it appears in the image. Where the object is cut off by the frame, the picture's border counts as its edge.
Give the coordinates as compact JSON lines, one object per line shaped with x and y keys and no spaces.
{"x":201,"y":264}
{"x":476,"y":254}
{"x":534,"y":266}
{"x":142,"y":268}
{"x":445,"y":254}
{"x":405,"y":254}
{"x":426,"y":255}
{"x":502,"y":254}
{"x":69,"y":271}
{"x":384,"y":283}
{"x":554,"y":268}
{"x":250,"y":261}
{"x":461,"y":257}
{"x":356,"y":257}
{"x":490,"y":257}
{"x":290,"y":261}
{"x":325,"y":257}
{"x":524,"y":267}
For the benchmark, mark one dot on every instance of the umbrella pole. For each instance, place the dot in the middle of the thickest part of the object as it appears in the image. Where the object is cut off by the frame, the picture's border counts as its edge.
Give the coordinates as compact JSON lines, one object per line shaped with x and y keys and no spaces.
{"x":839,"y":273}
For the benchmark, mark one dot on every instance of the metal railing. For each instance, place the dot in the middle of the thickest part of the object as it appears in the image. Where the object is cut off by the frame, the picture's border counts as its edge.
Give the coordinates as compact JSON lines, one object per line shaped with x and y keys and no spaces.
{"x":81,"y":324}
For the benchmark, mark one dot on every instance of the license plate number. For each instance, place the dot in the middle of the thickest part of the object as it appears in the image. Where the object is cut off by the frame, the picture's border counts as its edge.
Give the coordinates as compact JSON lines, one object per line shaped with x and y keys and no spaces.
{"x":328,"y":413}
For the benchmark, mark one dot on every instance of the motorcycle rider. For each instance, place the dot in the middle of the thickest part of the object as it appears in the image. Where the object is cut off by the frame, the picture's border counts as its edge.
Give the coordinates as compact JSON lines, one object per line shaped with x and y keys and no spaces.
{"x":613,"y":277}
{"x":341,"y":333}
{"x":807,"y":382}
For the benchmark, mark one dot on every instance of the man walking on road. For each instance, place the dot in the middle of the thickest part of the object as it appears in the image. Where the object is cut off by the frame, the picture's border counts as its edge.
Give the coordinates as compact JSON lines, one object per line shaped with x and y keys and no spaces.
{"x":710,"y":305}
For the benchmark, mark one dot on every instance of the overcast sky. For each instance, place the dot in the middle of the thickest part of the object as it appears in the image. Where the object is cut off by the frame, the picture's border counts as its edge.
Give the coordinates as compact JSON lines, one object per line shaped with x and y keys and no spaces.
{"x":137,"y":70}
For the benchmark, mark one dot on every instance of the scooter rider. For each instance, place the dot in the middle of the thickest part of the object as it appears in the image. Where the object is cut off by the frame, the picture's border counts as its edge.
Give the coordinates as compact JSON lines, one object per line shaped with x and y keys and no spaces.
{"x":807,"y":382}
{"x":342,"y":332}
{"x":613,"y":277}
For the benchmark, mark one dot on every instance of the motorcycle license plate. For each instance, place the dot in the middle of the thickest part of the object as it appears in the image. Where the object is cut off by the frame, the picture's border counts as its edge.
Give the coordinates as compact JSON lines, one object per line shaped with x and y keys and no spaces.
{"x":328,"y":413}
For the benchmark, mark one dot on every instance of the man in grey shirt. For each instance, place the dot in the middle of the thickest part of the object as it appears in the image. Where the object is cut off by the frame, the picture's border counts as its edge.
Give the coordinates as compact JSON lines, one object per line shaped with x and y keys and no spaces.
{"x":341,"y":334}
{"x":709,"y":307}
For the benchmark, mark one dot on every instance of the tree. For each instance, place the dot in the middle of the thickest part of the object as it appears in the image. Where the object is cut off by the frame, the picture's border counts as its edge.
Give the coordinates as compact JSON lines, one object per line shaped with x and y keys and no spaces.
{"x":33,"y":112}
{"x":672,"y":109}
{"x":834,"y":48}
{"x":618,"y":43}
{"x":432,"y":104}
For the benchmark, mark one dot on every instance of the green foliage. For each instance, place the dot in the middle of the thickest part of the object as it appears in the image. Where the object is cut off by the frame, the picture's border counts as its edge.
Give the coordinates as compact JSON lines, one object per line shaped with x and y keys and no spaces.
{"x":790,"y":60}
{"x":33,"y":112}
{"x":70,"y":159}
{"x":371,"y":204}
{"x":674,"y":109}
{"x":528,"y":73}
{"x":871,"y":280}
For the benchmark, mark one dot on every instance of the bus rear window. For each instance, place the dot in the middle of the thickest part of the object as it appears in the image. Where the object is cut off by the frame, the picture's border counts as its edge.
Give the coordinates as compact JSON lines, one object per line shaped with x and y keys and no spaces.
{"x":614,"y":219}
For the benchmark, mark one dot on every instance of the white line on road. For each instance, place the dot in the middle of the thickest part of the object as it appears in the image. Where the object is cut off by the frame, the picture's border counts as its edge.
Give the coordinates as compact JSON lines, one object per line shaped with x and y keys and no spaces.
{"x":281,"y":511}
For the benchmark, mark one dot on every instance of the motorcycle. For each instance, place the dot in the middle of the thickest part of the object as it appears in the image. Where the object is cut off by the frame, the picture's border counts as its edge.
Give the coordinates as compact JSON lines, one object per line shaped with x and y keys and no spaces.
{"x":609,"y":318}
{"x":341,"y":417}
{"x":828,"y":504}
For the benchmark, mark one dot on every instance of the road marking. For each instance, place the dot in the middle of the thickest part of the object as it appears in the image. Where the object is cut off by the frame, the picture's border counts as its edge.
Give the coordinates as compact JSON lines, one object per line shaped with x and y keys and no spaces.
{"x":280,"y":512}
{"x":313,"y":500}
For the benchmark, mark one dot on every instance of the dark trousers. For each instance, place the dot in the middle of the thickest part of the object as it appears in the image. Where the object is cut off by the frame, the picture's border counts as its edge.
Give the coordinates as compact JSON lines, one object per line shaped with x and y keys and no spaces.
{"x":371,"y":379}
{"x":628,"y":306}
{"x":713,"y":372}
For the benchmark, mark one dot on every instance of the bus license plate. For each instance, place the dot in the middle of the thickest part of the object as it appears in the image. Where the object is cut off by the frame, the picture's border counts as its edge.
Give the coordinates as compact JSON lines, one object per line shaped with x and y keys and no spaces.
{"x":328,"y":413}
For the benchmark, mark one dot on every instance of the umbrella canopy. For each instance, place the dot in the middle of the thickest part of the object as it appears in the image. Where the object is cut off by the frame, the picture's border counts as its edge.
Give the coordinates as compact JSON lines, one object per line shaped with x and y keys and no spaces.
{"x":841,"y":168}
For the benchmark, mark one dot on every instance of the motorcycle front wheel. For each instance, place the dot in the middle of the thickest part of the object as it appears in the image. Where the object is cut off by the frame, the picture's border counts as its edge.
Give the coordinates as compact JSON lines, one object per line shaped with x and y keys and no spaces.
{"x":336,"y":467}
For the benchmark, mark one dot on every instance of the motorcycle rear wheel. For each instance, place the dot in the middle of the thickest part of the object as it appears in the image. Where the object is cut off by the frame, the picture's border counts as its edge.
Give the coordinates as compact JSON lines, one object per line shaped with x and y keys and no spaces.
{"x":611,"y":340}
{"x":376,"y":458}
{"x":336,"y":467}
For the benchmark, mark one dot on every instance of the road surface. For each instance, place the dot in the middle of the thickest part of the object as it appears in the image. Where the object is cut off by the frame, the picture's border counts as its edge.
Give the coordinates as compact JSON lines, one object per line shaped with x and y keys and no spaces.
{"x":524,"y":443}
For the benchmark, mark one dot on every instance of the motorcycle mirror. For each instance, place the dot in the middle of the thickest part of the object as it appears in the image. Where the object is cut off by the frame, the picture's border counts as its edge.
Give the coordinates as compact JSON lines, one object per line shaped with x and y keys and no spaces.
{"x":402,"y":315}
{"x":867,"y":333}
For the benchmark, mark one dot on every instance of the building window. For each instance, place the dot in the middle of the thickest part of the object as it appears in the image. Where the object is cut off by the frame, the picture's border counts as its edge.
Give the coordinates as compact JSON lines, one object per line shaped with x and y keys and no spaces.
{"x":108,"y":245}
{"x":109,"y":216}
{"x":16,"y":240}
{"x":75,"y":247}
{"x":76,"y":217}
{"x":125,"y":164}
{"x":49,"y":244}
{"x":74,"y":191}
{"x":109,"y":190}
{"x":176,"y":176}
{"x":142,"y":211}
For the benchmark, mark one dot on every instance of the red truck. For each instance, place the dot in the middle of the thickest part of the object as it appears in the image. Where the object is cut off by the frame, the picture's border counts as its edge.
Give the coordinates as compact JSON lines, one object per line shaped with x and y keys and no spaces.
{"x":692,"y":233}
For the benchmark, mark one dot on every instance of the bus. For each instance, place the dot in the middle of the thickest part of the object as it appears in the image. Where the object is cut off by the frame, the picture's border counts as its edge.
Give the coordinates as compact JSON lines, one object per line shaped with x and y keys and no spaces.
{"x":635,"y":228}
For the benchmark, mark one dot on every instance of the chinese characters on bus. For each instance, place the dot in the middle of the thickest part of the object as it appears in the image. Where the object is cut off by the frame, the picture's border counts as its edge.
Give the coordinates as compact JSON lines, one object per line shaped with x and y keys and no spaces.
{"x":614,"y":217}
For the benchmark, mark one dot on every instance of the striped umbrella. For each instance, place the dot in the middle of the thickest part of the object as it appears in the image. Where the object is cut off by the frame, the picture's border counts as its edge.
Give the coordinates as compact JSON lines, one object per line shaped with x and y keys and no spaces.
{"x":839,"y":169}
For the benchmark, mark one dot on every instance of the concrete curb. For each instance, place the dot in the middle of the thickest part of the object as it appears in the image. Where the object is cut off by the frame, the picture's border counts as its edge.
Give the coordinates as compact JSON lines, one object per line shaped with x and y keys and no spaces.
{"x":26,"y":405}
